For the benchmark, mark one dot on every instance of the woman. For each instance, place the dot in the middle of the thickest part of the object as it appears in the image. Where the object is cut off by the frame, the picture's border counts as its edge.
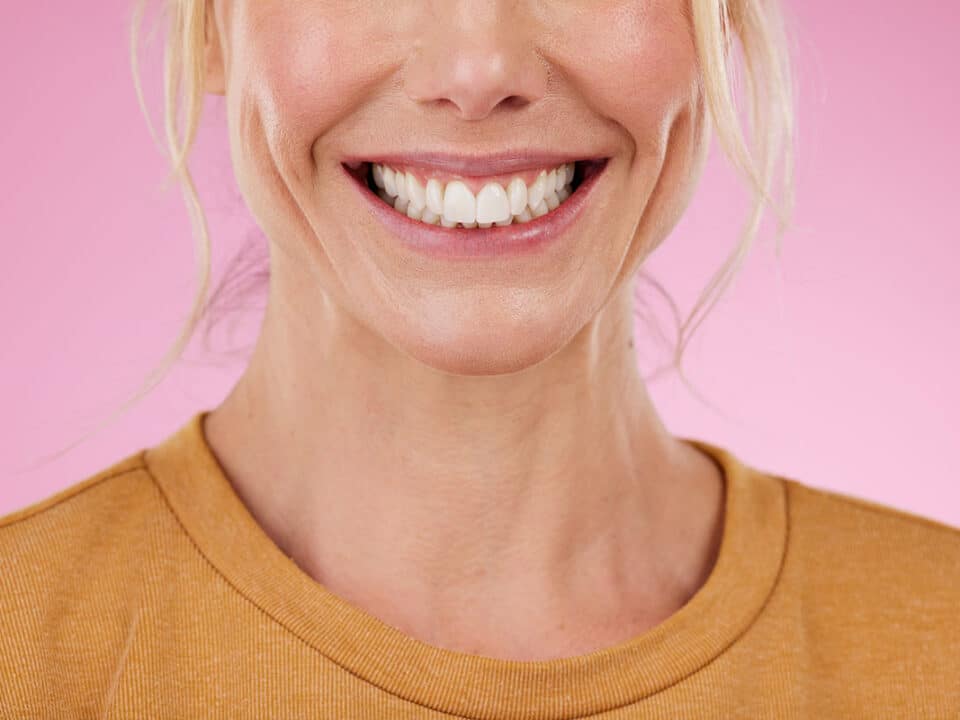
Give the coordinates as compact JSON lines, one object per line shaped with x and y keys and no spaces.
{"x":440,"y":488}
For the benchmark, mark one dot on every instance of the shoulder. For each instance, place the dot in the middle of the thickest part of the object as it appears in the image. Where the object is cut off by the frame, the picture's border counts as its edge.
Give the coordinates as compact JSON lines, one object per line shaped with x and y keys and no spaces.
{"x":77,"y":512}
{"x":871,"y":542}
{"x":875,"y":591}
{"x":70,"y":570}
{"x":64,"y":541}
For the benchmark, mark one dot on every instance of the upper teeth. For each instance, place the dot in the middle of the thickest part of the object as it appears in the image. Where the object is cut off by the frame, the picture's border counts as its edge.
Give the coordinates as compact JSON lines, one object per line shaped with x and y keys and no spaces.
{"x":454,"y":203}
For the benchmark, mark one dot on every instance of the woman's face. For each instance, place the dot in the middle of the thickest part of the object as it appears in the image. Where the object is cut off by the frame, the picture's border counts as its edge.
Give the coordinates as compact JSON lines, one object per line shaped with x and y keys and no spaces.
{"x":479,"y":91}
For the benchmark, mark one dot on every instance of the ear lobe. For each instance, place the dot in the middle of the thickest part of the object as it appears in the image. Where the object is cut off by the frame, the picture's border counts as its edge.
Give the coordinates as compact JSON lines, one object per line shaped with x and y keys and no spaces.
{"x":214,"y":74}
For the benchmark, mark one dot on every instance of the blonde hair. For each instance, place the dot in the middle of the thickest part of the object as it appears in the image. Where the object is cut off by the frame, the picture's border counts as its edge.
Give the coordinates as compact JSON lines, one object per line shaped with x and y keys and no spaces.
{"x":755,"y":27}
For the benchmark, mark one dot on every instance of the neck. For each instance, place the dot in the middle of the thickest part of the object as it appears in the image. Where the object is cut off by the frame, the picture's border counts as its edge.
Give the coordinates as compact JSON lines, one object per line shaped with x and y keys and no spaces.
{"x":384,"y":478}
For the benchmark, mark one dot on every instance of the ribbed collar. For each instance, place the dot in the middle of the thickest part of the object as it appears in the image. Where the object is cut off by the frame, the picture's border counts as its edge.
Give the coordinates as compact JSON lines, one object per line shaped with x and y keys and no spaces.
{"x":473,"y":686}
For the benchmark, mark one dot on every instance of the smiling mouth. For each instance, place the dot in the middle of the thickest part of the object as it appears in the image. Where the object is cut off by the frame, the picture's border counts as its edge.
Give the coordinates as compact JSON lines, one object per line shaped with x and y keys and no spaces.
{"x":468,"y":202}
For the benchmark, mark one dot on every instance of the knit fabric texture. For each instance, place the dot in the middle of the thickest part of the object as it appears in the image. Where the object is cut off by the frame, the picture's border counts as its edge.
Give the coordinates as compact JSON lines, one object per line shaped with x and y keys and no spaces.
{"x":148,"y":590}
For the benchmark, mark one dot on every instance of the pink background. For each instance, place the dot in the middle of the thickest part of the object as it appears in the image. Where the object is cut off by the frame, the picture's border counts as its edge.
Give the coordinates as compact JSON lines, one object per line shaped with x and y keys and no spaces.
{"x":839,"y":367}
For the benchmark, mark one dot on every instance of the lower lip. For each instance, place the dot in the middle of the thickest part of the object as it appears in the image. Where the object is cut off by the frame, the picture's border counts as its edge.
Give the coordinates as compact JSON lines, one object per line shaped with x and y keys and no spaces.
{"x":437,"y":241}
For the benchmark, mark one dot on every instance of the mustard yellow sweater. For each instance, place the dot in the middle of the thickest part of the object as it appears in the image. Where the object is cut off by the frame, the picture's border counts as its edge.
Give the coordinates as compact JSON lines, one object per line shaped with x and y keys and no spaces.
{"x":149,"y":591}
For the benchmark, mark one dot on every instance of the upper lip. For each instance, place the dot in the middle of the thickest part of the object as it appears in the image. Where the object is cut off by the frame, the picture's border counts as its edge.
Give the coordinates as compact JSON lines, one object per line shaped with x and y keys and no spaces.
{"x":475,"y":165}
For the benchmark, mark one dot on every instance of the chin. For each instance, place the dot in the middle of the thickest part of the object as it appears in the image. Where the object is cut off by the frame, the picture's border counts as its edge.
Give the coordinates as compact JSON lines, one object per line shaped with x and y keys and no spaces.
{"x":483,"y":350}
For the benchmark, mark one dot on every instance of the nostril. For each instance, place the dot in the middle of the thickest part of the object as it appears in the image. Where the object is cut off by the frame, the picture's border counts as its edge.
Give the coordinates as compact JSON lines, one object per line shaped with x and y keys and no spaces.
{"x":514,"y":102}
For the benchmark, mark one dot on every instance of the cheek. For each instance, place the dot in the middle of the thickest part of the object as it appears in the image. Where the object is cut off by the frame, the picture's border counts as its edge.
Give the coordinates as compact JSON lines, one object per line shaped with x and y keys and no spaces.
{"x":304,"y":67}
{"x":636,"y":65}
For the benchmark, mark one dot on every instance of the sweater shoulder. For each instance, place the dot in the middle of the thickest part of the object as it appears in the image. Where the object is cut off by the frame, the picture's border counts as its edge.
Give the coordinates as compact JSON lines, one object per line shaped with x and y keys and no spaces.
{"x":877,"y":566}
{"x":80,"y":495}
{"x":73,"y":567}
{"x":833,"y":517}
{"x":865,"y":609}
{"x":62,"y":537}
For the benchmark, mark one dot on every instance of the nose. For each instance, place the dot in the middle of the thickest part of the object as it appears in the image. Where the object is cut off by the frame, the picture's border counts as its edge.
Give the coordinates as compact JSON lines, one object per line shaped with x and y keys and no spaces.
{"x":475,"y":56}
